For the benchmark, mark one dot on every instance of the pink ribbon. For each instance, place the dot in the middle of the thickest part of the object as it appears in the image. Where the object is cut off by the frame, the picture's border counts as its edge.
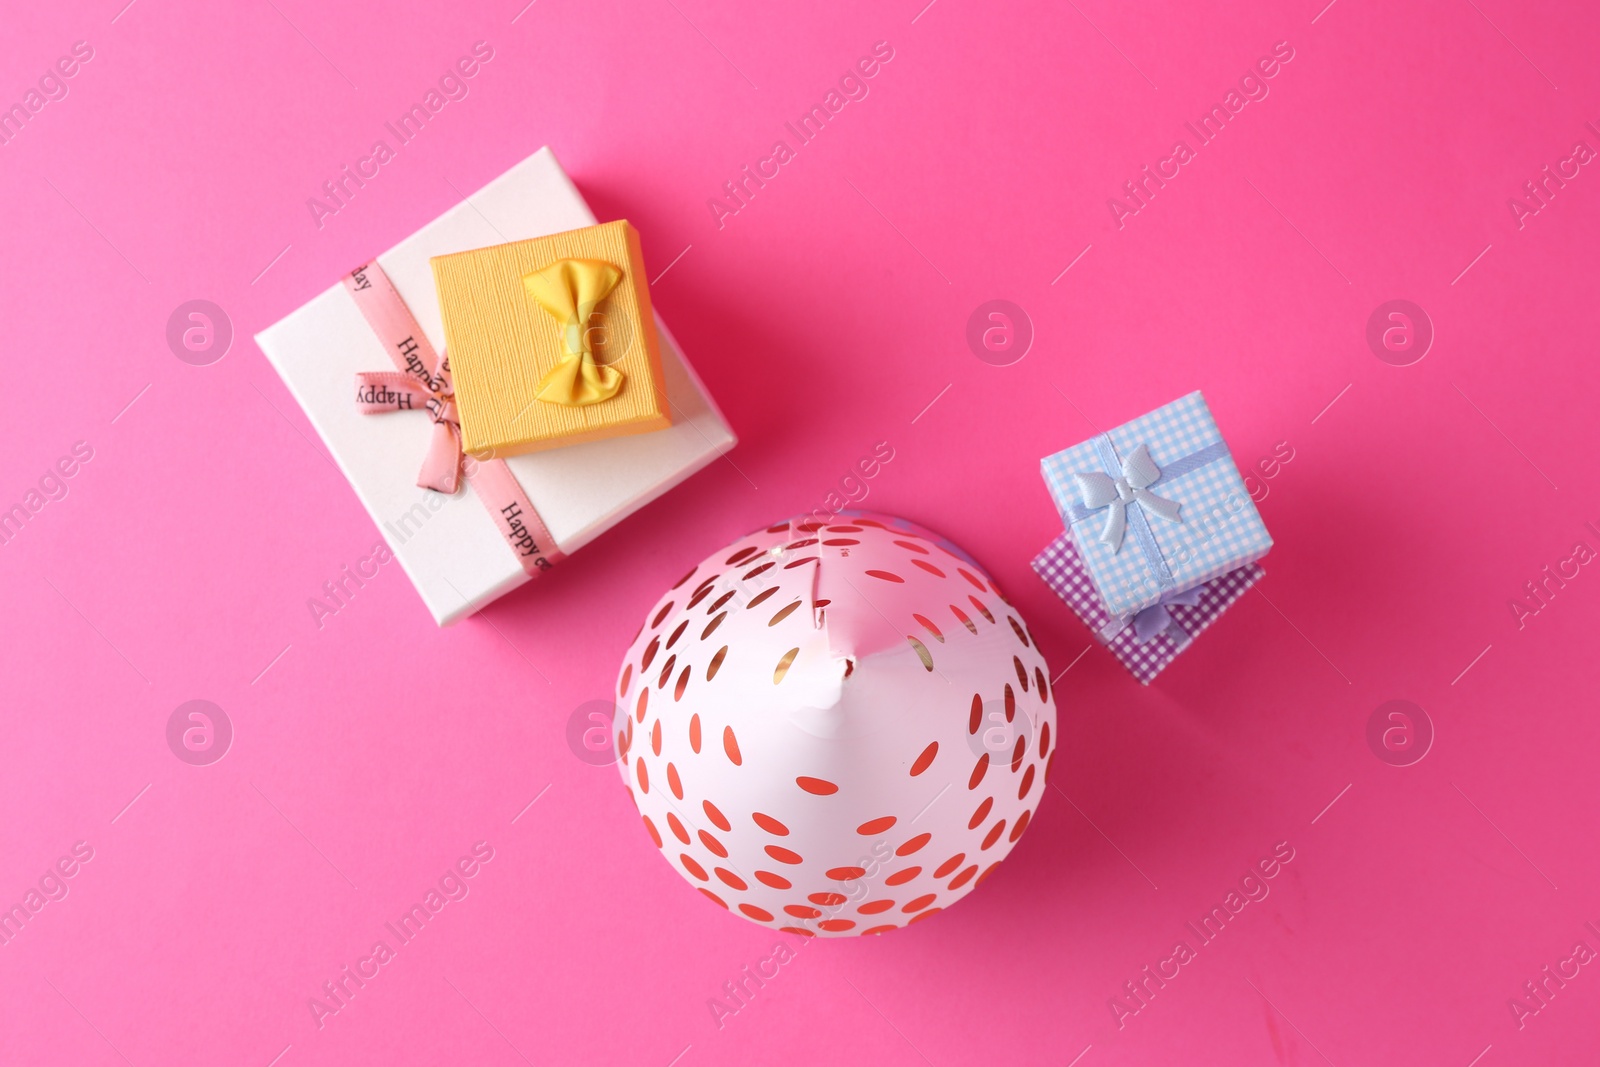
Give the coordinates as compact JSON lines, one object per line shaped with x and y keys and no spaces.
{"x":421,"y":382}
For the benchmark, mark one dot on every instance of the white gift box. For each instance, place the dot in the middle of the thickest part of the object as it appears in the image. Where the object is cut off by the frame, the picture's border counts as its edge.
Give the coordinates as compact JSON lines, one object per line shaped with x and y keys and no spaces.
{"x":449,"y":545}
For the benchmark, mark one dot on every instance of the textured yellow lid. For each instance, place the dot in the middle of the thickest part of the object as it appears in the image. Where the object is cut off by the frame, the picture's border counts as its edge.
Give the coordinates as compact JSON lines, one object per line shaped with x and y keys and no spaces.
{"x":501,"y":344}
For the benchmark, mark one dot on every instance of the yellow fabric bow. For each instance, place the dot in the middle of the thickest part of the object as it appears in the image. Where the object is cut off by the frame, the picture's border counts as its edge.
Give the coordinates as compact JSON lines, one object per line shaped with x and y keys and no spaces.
{"x":570,"y":290}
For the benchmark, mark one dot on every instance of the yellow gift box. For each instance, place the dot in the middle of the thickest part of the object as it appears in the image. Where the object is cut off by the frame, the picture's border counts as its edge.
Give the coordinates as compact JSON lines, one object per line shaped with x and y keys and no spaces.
{"x":551,"y":341}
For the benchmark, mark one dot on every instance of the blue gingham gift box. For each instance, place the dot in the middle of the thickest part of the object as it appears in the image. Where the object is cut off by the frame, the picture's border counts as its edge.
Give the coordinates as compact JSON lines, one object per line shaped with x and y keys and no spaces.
{"x":1156,"y":506}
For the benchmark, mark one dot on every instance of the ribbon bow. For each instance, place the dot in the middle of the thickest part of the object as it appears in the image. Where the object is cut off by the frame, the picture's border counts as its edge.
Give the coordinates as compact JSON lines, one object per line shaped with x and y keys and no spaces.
{"x":1104,"y":491}
{"x":570,"y":289}
{"x":422,"y":381}
{"x":1156,"y":619}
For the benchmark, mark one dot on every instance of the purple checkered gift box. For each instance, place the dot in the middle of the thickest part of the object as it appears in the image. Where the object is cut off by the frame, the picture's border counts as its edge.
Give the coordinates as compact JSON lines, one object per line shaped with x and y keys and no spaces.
{"x":1148,"y":641}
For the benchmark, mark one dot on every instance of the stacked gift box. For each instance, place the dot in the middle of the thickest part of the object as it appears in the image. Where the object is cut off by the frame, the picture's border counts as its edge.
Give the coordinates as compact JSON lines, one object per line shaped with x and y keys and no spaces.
{"x":497,"y":388}
{"x":1161,"y":534}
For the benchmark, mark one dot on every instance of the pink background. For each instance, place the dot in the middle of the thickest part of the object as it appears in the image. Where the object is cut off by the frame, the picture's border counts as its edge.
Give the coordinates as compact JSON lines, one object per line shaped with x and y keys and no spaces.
{"x":827,"y":315}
